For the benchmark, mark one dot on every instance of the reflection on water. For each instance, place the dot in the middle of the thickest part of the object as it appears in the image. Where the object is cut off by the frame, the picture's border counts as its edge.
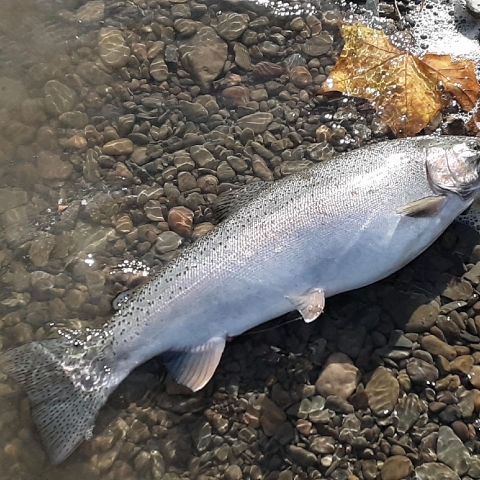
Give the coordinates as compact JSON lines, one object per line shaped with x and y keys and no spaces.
{"x":120,"y":123}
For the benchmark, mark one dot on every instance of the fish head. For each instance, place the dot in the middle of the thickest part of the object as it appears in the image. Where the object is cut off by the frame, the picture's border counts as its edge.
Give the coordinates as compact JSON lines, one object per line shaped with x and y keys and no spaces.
{"x":453,"y":164}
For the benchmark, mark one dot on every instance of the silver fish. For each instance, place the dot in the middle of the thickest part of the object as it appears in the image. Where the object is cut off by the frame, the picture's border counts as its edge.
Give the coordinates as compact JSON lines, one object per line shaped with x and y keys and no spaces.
{"x":285,"y":245}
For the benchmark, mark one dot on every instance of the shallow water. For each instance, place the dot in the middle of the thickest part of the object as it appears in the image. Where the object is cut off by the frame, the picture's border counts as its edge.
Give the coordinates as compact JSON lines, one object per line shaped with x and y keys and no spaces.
{"x":109,"y":124}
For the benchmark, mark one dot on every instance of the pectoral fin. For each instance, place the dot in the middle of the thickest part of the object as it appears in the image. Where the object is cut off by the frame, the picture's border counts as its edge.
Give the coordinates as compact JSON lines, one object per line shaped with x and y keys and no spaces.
{"x":424,"y":207}
{"x":310,"y":304}
{"x":194,"y":368}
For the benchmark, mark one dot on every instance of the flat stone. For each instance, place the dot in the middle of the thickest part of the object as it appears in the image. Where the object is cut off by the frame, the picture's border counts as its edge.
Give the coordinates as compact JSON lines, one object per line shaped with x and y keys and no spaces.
{"x":204,"y":56}
{"x":338,"y":377}
{"x":382,"y":391}
{"x":52,"y":167}
{"x":258,"y":122}
{"x":435,"y":346}
{"x":396,"y":468}
{"x":167,"y":242}
{"x":407,"y":412}
{"x":159,"y":69}
{"x":435,"y":471}
{"x":180,"y":220}
{"x":12,"y":198}
{"x":90,"y":13}
{"x":301,"y":456}
{"x":231,"y":25}
{"x":195,"y":112}
{"x":112,"y":49}
{"x":120,"y":146}
{"x":474,"y":376}
{"x":421,"y":371}
{"x":452,"y":452}
{"x":462,"y":364}
{"x":58,"y":97}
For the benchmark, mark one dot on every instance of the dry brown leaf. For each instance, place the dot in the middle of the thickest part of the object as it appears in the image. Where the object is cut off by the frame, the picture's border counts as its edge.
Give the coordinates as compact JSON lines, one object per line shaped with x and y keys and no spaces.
{"x":457,"y":77}
{"x":403,"y":89}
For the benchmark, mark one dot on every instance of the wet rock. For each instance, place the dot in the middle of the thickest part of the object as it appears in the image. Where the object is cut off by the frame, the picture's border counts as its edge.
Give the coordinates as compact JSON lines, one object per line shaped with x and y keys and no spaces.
{"x":382,"y":391}
{"x":300,"y":77}
{"x":323,"y":445}
{"x":474,"y":376}
{"x":90,"y":13}
{"x":167,"y":242}
{"x":462,"y":364}
{"x":474,"y":470}
{"x":195,"y":112}
{"x":242,"y":56}
{"x":455,"y":289}
{"x":113,"y":50}
{"x":318,"y":44}
{"x":74,"y":119}
{"x":260,"y":168}
{"x":12,"y":198}
{"x":301,"y":456}
{"x":52,"y":167}
{"x":338,"y":377}
{"x":120,"y":146}
{"x":257,"y":122}
{"x":437,"y":471}
{"x":153,"y":211}
{"x":204,"y":56}
{"x":41,"y":248}
{"x":225,"y":172}
{"x":266,"y":70}
{"x":271,"y":415}
{"x":235,"y":96}
{"x":435,"y":346}
{"x":159,"y":69}
{"x":180,"y":220}
{"x":407,"y":411}
{"x":185,"y":27}
{"x":124,"y":224}
{"x":231,"y":25}
{"x":452,"y":452}
{"x":420,"y":371}
{"x":58,"y":97}
{"x":396,"y":468}
{"x":203,"y":158}
{"x":233,"y":472}
{"x":138,"y":432}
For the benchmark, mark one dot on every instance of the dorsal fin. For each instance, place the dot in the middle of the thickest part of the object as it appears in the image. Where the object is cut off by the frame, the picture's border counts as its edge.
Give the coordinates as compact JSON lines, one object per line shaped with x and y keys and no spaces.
{"x":233,"y":200}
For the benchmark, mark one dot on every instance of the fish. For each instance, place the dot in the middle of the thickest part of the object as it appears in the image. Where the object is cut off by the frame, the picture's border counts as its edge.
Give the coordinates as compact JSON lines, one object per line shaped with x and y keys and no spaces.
{"x":280,"y":246}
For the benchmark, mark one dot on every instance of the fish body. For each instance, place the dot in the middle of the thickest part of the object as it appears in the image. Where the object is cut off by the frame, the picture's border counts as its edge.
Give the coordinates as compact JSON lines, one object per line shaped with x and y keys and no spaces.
{"x":285,"y":245}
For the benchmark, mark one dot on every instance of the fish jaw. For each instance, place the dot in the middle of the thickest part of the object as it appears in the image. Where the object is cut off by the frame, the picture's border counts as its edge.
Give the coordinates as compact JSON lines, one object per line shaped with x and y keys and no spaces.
{"x":453,"y":165}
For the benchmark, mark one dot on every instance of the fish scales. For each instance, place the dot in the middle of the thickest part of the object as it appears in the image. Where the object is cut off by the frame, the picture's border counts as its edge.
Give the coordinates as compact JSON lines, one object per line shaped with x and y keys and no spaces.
{"x":285,"y":245}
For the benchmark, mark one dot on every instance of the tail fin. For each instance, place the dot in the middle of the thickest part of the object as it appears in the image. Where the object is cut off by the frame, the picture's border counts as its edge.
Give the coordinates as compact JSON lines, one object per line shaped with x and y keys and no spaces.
{"x":67,"y":382}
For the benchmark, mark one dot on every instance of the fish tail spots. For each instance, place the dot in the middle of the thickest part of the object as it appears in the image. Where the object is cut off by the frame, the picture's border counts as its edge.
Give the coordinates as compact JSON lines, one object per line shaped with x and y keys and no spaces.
{"x":67,"y":381}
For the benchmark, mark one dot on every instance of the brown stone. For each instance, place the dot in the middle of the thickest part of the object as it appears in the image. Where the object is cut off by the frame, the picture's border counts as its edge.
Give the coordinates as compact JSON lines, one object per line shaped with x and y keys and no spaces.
{"x":180,"y":220}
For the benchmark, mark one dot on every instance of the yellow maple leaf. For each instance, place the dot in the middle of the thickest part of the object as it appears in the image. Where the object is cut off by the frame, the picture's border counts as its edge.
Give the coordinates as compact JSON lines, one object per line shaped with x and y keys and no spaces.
{"x":405,"y":91}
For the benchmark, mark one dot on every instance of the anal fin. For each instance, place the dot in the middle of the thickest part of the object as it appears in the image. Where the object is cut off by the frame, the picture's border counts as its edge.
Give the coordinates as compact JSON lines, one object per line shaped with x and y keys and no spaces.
{"x":424,"y":207}
{"x":310,"y":304}
{"x":195,"y":367}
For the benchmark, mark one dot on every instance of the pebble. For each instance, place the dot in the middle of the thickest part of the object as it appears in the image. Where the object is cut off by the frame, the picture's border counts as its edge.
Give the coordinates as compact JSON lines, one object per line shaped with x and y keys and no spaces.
{"x":301,"y":456}
{"x":257,"y":122}
{"x":422,"y":372}
{"x":58,"y":97}
{"x":167,"y":242}
{"x":431,"y":471}
{"x":407,"y":412}
{"x":435,"y":346}
{"x":120,"y":146}
{"x":396,"y":468}
{"x":474,"y":376}
{"x":52,"y":167}
{"x":112,"y":49}
{"x":180,"y":221}
{"x":338,"y":377}
{"x":300,"y":76}
{"x":462,"y":364}
{"x":159,"y":69}
{"x":452,"y":452}
{"x":204,"y":55}
{"x":11,"y":198}
{"x":382,"y":391}
{"x":231,"y":25}
{"x":90,"y":13}
{"x":233,"y":472}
